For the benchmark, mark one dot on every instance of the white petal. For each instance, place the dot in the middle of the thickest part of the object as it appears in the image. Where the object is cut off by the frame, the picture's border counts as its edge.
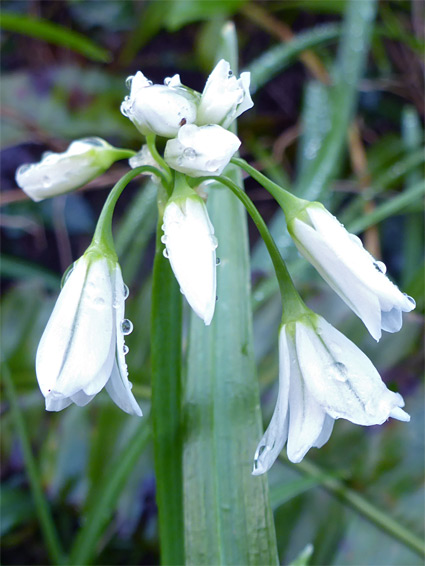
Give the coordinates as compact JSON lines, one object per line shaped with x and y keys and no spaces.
{"x":118,"y":386}
{"x":81,"y":399}
{"x":57,"y":404}
{"x":159,"y":109}
{"x":77,"y":347}
{"x":59,"y":173}
{"x":201,"y":151}
{"x":306,"y":416}
{"x":341,"y":377}
{"x":276,"y":434}
{"x":190,"y":243}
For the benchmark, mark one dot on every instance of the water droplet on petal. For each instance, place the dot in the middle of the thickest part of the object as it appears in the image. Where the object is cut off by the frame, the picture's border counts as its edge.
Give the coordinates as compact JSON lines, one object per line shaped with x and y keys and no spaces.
{"x":230,"y":73}
{"x":356,"y":240}
{"x":217,"y":261}
{"x":150,"y":83}
{"x":380,"y":266}
{"x":214,"y":242}
{"x":67,"y":273}
{"x":125,"y":349}
{"x":189,"y":153}
{"x":410,"y":299}
{"x":165,"y":253}
{"x":128,"y":81}
{"x":126,"y":292}
{"x":24,"y":168}
{"x":164,"y":239}
{"x":167,"y":81}
{"x":99,"y":302}
{"x":337,"y":371}
{"x":126,"y":327}
{"x":216,"y":298}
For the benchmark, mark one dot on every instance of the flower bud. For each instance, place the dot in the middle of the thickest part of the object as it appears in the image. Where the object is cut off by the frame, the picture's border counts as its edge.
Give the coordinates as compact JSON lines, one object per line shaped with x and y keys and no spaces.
{"x":224,"y":97}
{"x":59,"y":173}
{"x":190,"y":246}
{"x":201,"y":151}
{"x":159,"y":109}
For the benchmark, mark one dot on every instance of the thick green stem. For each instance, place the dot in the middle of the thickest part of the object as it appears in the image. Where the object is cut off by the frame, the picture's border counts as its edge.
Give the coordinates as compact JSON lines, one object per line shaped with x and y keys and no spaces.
{"x":166,"y":405}
{"x":47,"y":524}
{"x":292,"y":304}
{"x":103,"y":234}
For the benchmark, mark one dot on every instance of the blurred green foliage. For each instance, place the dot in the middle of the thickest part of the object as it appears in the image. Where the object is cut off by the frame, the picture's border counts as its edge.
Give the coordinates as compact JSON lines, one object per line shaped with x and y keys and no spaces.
{"x":56,"y":86}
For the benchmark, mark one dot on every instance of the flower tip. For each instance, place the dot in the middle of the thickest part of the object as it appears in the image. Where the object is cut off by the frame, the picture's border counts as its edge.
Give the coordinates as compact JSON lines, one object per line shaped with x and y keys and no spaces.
{"x":400,"y":415}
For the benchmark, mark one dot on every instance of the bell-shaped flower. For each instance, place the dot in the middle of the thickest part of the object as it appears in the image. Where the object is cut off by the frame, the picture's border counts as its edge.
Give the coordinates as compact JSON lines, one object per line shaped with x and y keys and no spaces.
{"x":82,"y":348}
{"x":190,"y":245}
{"x":349,"y":269}
{"x":201,"y":151}
{"x":159,"y":109}
{"x":224,"y":97}
{"x":59,"y":173}
{"x":323,"y":376}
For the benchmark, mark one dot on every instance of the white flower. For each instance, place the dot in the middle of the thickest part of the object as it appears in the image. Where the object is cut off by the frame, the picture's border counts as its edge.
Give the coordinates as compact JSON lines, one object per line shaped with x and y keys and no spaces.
{"x":350,"y":270}
{"x":200,"y":151}
{"x":82,"y":348}
{"x":59,"y":173}
{"x":144,"y":157}
{"x":323,"y":376}
{"x":224,"y":97}
{"x":159,"y":109}
{"x":190,"y":246}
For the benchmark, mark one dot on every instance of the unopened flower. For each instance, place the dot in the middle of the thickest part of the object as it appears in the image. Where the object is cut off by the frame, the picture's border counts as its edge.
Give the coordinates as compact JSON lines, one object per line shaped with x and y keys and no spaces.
{"x":59,"y":173}
{"x":144,"y":157}
{"x":349,"y":269}
{"x":159,"y":109}
{"x":190,"y":245}
{"x":82,"y":348}
{"x":323,"y":376}
{"x":201,"y":151}
{"x":224,"y":97}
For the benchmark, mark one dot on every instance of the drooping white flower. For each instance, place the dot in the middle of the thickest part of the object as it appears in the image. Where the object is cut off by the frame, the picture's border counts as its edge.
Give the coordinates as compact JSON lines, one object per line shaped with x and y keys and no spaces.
{"x":323,"y":376}
{"x":190,"y":245}
{"x":201,"y":151}
{"x":82,"y":348}
{"x":59,"y":173}
{"x":159,"y":109}
{"x":224,"y":97}
{"x":349,"y":269}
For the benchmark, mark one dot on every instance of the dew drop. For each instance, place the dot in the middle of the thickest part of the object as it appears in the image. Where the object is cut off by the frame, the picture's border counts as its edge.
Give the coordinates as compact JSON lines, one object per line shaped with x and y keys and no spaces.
{"x":380,"y":266}
{"x":337,"y":371}
{"x":164,"y":239}
{"x":165,"y":253}
{"x":126,"y":327}
{"x":125,"y":349}
{"x":189,"y":153}
{"x":217,"y":261}
{"x":212,"y":165}
{"x":167,"y":81}
{"x":128,"y":81}
{"x":126,"y":291}
{"x":356,"y":240}
{"x":230,"y":74}
{"x":24,"y":168}
{"x":150,"y":83}
{"x":410,"y":299}
{"x":216,"y":298}
{"x":99,"y":302}
{"x":67,"y":273}
{"x":214,"y":242}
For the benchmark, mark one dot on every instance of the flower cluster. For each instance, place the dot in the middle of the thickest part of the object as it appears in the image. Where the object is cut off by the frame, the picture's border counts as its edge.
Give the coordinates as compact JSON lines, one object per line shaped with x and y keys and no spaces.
{"x":323,"y":376}
{"x":199,"y":143}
